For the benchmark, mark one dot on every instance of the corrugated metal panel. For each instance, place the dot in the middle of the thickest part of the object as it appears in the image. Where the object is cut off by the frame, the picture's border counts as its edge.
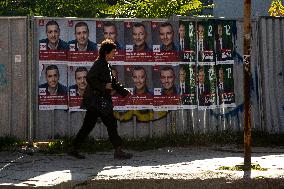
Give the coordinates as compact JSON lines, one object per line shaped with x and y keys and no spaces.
{"x":13,"y":77}
{"x":271,"y":53}
{"x":267,"y":91}
{"x":5,"y":82}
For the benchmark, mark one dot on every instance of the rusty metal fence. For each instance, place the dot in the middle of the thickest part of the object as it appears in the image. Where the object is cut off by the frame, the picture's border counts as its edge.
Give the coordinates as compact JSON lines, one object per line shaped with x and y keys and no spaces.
{"x":20,"y":117}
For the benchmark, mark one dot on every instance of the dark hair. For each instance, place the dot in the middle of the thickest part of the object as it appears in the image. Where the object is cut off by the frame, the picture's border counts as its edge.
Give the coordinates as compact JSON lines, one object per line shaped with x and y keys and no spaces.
{"x":80,"y":24}
{"x":107,"y":24}
{"x":139,"y":25}
{"x":51,"y":23}
{"x":168,"y":68}
{"x":107,"y":46}
{"x":182,"y":67}
{"x":51,"y":67}
{"x":80,"y":69}
{"x":136,"y":68}
{"x":201,"y":68}
{"x":166,"y":24}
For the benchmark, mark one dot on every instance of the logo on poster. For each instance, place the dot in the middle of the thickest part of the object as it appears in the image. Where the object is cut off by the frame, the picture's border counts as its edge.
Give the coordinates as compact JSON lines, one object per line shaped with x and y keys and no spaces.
{"x":41,"y":22}
{"x":72,"y":92}
{"x":70,"y":23}
{"x":72,"y":47}
{"x":42,"y":46}
{"x":42,"y":91}
{"x":157,"y":91}
{"x":156,"y":48}
{"x":129,"y":48}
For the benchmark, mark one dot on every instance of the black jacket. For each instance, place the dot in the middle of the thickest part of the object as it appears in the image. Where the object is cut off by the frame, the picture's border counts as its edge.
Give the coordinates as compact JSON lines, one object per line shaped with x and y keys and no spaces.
{"x":99,"y":75}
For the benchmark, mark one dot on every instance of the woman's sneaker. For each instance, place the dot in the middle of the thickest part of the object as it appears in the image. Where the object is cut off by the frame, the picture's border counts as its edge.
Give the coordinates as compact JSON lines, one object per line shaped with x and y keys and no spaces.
{"x":119,"y":154}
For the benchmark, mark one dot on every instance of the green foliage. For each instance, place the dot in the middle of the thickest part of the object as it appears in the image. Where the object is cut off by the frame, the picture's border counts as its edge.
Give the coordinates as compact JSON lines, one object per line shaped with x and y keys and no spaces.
{"x":54,"y":8}
{"x":101,"y":8}
{"x":276,"y":8}
{"x":154,"y":8}
{"x":7,"y":141}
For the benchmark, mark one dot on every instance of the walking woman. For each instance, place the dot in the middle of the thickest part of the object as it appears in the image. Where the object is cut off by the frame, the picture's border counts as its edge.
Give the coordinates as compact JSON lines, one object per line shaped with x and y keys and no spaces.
{"x":98,"y":103}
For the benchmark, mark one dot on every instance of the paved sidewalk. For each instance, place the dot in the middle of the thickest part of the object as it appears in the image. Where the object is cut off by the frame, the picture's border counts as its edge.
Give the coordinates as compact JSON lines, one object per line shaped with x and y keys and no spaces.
{"x":167,"y":167}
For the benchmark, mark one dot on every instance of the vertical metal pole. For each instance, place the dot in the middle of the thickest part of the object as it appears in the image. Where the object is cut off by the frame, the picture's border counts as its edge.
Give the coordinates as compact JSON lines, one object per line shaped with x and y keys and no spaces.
{"x":247,"y":117}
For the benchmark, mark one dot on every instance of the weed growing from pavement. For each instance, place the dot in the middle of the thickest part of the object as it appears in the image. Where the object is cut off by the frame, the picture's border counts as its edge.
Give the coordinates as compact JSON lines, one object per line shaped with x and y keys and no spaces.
{"x":91,"y":145}
{"x":255,"y":167}
{"x":7,"y":141}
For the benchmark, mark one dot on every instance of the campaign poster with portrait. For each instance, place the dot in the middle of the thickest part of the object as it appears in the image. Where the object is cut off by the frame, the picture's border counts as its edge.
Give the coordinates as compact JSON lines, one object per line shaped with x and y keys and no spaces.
{"x":118,"y":101}
{"x":113,"y":30}
{"x":138,"y":79}
{"x":166,"y":87}
{"x":224,"y":39}
{"x":187,"y":86}
{"x":226,"y":95}
{"x":52,"y":86}
{"x":165,"y":36}
{"x":82,"y":40}
{"x":77,"y":84}
{"x":205,"y":41}
{"x":53,"y":37}
{"x":206,"y":87}
{"x":187,"y":41}
{"x":138,"y":42}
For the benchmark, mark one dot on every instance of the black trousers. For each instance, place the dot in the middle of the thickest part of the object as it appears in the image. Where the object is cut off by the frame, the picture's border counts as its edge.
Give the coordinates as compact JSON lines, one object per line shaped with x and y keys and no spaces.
{"x":89,"y":123}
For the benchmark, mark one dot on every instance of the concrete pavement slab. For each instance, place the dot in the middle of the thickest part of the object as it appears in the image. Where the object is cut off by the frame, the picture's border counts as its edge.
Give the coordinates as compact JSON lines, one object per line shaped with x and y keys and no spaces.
{"x":176,"y":164}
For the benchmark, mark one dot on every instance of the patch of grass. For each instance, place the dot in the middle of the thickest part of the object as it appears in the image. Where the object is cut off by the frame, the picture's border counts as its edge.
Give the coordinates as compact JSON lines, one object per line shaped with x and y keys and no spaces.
{"x":260,"y":138}
{"x":7,"y":141}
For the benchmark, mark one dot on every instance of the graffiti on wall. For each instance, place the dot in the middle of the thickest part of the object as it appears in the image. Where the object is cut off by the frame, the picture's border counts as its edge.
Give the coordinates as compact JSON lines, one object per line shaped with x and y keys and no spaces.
{"x":3,"y":76}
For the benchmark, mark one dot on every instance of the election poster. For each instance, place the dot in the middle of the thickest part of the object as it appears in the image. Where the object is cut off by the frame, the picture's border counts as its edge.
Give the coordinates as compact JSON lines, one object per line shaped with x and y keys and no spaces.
{"x":187,"y":41}
{"x":138,"y":79}
{"x":113,"y":30}
{"x":82,"y":41}
{"x":53,"y":37}
{"x":52,"y":86}
{"x":187,"y":86}
{"x":166,"y":86}
{"x":205,"y":41}
{"x":224,"y":37}
{"x":77,"y":83}
{"x":166,"y":48}
{"x":138,"y":42}
{"x":207,"y":96}
{"x":226,"y":95}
